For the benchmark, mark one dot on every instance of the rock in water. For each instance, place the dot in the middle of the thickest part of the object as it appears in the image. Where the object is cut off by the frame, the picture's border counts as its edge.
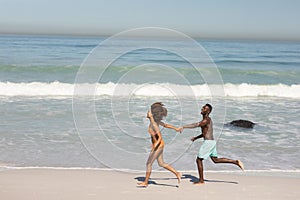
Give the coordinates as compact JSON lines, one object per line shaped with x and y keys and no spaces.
{"x":242,"y":123}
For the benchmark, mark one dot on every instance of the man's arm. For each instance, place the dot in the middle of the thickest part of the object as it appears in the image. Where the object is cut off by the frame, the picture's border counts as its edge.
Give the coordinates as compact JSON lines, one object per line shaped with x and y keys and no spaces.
{"x":194,"y":125}
{"x":197,"y":137}
{"x":204,"y":122}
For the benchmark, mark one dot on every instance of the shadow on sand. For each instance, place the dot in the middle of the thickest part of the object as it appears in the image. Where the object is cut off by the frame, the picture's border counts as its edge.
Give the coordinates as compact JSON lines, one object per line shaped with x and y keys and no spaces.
{"x":152,"y":182}
{"x":194,"y":179}
{"x":191,"y":178}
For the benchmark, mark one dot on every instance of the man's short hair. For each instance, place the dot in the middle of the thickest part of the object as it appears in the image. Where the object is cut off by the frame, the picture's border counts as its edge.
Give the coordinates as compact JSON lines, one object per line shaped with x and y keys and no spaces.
{"x":210,"y":107}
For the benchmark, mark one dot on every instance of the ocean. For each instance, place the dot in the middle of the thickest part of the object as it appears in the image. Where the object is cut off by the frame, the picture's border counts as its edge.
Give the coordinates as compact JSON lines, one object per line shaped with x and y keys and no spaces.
{"x":59,"y":110}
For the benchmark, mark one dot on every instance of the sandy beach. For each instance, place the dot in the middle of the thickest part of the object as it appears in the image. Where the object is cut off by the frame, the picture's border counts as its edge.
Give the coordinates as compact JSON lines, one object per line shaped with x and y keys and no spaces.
{"x":28,"y":184}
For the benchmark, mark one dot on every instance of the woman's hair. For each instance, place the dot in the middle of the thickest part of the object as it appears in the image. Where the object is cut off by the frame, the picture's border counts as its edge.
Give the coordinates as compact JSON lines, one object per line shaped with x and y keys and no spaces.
{"x":158,"y":111}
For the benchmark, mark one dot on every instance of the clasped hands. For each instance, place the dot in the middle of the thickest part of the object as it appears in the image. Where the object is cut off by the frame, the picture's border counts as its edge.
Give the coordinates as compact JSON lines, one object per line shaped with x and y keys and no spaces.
{"x":179,"y":129}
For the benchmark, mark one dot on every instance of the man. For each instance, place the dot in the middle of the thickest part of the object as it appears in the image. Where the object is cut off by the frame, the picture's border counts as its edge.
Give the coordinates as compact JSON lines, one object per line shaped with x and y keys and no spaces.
{"x":208,"y":148}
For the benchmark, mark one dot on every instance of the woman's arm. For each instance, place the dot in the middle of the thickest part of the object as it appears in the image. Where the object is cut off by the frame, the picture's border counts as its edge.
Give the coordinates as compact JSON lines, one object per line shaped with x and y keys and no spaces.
{"x":169,"y":126}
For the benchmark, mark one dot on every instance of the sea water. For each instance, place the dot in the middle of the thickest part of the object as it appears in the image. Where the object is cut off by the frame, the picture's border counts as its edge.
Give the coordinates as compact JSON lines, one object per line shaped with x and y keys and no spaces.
{"x":38,"y":126}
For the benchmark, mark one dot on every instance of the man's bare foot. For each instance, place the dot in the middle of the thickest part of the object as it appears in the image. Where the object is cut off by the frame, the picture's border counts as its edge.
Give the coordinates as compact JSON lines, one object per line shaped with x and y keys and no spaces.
{"x":199,"y":183}
{"x":240,"y":164}
{"x":178,"y":177}
{"x":143,"y":184}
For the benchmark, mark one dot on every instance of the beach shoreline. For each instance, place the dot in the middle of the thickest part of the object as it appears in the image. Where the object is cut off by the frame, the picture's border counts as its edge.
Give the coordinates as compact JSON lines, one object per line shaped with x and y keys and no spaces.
{"x":75,"y":184}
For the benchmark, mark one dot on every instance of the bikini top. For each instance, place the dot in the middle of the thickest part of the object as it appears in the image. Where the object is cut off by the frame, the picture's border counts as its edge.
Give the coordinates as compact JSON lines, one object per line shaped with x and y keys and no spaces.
{"x":151,"y":131}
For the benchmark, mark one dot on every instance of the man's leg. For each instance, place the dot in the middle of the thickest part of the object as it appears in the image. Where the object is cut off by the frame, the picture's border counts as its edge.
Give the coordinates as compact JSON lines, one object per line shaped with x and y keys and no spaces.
{"x":227,"y":160}
{"x":200,"y":170}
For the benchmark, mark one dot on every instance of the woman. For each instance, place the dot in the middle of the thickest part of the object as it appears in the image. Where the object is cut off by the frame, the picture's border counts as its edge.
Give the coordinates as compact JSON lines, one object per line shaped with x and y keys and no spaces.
{"x":155,"y":116}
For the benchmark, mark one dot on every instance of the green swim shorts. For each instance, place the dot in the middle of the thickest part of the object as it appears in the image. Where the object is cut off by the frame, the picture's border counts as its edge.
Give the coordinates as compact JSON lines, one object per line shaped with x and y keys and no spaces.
{"x":208,"y":149}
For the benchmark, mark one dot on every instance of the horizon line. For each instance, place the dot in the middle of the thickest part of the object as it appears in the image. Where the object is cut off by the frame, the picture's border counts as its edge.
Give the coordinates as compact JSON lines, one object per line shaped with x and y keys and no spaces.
{"x":141,"y":36}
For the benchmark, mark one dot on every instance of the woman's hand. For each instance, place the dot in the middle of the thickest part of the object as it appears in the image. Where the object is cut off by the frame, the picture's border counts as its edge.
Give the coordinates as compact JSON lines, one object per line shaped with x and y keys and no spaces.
{"x":149,"y":114}
{"x":179,"y":129}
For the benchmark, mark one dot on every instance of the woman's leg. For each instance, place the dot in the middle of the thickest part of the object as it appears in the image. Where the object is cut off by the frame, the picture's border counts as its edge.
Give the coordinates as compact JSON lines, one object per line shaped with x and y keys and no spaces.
{"x":152,"y":156}
{"x":167,"y":167}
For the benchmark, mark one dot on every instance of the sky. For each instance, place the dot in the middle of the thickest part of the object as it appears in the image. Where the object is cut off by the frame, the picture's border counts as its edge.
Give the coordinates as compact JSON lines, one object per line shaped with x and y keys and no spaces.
{"x":216,"y":19}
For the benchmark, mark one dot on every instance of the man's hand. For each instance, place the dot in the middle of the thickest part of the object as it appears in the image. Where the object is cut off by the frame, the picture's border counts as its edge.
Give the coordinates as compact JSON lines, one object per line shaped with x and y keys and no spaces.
{"x":193,"y":139}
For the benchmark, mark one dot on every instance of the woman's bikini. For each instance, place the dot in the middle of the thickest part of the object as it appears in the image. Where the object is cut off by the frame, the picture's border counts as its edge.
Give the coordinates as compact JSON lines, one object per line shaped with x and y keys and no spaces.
{"x":154,"y":136}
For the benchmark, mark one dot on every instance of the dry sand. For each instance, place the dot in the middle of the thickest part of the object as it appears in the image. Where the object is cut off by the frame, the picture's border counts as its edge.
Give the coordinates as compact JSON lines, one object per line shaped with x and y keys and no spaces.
{"x":54,"y":184}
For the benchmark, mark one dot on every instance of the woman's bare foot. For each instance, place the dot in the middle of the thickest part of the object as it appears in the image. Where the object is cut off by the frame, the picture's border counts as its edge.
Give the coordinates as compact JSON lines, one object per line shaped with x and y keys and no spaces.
{"x":178,"y":174}
{"x":240,"y":164}
{"x":143,"y":184}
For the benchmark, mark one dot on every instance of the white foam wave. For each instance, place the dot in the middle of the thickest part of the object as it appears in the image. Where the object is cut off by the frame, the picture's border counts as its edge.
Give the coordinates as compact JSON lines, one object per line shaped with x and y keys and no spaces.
{"x":146,"y":90}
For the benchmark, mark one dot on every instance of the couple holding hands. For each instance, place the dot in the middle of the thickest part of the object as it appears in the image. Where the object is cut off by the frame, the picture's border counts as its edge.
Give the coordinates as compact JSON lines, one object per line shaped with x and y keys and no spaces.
{"x":207,"y":149}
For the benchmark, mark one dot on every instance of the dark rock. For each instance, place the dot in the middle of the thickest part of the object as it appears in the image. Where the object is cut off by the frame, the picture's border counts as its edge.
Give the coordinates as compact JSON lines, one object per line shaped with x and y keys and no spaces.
{"x":242,"y":123}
